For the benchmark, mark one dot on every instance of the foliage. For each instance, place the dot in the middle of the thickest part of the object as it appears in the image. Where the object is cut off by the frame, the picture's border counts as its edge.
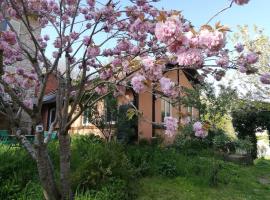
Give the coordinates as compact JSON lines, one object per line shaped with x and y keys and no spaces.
{"x":212,"y":107}
{"x":103,"y":117}
{"x":224,"y":143}
{"x":250,"y":117}
{"x":126,"y":128}
{"x":119,"y":169}
{"x":186,"y":140}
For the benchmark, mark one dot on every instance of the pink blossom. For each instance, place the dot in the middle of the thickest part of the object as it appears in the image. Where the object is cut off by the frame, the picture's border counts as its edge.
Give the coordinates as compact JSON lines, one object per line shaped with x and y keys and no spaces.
{"x":9,"y":37}
{"x":223,"y":61}
{"x":190,"y":57}
{"x":86,"y":40}
{"x":167,"y":86}
{"x":241,"y":2}
{"x":20,"y":71}
{"x":265,"y":78}
{"x":28,"y":103}
{"x":212,"y":40}
{"x":46,"y":37}
{"x":199,"y":130}
{"x":74,"y":35}
{"x":137,"y":83}
{"x":101,"y":90}
{"x":252,"y":57}
{"x":148,"y":62}
{"x":9,"y":79}
{"x":171,"y":125}
{"x":93,"y":51}
{"x":239,"y":47}
{"x":172,"y":27}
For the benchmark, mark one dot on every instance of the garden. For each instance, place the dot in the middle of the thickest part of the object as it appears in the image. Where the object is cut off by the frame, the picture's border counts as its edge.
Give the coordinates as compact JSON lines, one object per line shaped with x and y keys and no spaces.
{"x":113,"y":171}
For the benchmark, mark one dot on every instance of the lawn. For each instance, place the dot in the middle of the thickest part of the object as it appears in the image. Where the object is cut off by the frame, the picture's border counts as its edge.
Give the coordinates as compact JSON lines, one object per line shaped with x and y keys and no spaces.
{"x":243,"y":183}
{"x":102,"y":171}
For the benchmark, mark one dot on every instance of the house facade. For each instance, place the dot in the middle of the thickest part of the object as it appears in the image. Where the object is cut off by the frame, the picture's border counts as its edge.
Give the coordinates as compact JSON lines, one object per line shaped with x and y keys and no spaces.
{"x":26,"y":41}
{"x":153,"y":108}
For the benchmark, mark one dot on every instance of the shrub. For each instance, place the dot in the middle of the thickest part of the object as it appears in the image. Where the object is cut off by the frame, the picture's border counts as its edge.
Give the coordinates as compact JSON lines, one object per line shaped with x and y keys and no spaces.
{"x":224,"y":143}
{"x":244,"y":145}
{"x":187,"y":141}
{"x":99,"y":164}
{"x":167,"y":169}
{"x":126,"y":129}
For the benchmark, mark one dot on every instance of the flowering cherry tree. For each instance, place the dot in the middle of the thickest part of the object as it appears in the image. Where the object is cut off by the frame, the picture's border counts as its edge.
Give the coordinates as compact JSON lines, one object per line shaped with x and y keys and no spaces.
{"x":108,"y":46}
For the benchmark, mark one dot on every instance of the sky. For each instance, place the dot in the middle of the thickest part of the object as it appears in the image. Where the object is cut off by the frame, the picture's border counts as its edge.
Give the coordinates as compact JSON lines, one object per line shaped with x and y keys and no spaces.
{"x":200,"y":11}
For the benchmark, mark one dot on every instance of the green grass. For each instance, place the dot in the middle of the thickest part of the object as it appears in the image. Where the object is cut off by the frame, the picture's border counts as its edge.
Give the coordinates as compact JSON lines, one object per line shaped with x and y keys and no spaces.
{"x":242,"y":184}
{"x":108,"y":171}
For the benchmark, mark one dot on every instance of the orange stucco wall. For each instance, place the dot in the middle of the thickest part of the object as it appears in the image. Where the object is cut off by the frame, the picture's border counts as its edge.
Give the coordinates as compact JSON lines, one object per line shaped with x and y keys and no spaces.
{"x":145,"y":107}
{"x":145,"y":99}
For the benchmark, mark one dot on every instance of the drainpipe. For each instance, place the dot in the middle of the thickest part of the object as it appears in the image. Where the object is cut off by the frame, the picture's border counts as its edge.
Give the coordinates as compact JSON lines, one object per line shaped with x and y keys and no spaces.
{"x":153,"y":113}
{"x":178,"y":81}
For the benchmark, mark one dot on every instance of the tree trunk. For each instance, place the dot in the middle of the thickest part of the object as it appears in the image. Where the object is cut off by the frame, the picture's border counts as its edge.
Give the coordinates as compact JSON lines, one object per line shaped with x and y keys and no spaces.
{"x":65,"y":154}
{"x":46,"y":175}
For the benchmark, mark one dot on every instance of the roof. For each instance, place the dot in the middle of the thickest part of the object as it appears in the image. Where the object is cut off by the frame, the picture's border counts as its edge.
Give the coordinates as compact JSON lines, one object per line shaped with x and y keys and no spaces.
{"x":49,"y":98}
{"x":191,"y":73}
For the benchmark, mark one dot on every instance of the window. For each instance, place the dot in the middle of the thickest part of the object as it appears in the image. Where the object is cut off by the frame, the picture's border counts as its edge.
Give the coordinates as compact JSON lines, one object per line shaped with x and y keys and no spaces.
{"x":86,"y":117}
{"x":110,"y":109}
{"x":166,"y":109}
{"x":190,"y":112}
{"x":52,"y":114}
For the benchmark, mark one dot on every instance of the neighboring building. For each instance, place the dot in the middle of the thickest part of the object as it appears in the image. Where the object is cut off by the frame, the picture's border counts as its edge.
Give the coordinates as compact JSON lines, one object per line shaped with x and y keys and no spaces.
{"x":26,"y":40}
{"x":152,"y":108}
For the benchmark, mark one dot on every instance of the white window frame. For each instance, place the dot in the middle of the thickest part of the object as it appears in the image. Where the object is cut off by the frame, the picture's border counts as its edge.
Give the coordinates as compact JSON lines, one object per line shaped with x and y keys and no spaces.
{"x":166,"y":103}
{"x":87,"y":123}
{"x":50,"y":115}
{"x":105,"y":115}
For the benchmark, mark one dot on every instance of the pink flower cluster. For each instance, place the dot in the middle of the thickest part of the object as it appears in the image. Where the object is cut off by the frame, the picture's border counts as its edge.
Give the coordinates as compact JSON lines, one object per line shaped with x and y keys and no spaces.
{"x":212,"y":40}
{"x":167,"y":87}
{"x":265,"y":78}
{"x":199,"y":130}
{"x":137,"y":83}
{"x":190,"y":57}
{"x":152,"y":70}
{"x":171,"y":125}
{"x":168,"y":30}
{"x":241,"y":2}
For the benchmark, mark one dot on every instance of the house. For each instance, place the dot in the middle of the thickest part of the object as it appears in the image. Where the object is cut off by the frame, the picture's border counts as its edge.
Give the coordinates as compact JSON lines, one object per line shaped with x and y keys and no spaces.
{"x":151,"y":107}
{"x":25,"y":38}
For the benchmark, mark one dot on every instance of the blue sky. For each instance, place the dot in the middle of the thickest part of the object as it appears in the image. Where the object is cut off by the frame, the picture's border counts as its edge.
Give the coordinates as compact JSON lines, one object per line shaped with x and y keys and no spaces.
{"x":200,"y":11}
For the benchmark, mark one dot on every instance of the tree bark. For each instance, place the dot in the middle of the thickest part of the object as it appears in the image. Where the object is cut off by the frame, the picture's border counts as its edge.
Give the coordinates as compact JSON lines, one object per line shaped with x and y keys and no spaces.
{"x":46,"y":175}
{"x":65,"y":154}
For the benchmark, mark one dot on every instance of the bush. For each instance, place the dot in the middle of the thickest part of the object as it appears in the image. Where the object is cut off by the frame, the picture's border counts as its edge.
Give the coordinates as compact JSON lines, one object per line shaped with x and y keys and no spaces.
{"x":244,"y":145}
{"x":224,"y":143}
{"x":126,"y":129}
{"x":100,"y":164}
{"x":17,"y":169}
{"x":187,"y":141}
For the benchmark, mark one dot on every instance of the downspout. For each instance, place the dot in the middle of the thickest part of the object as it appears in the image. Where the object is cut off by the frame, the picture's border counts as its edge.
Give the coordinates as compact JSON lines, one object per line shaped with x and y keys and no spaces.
{"x":153,"y":113}
{"x":178,"y":81}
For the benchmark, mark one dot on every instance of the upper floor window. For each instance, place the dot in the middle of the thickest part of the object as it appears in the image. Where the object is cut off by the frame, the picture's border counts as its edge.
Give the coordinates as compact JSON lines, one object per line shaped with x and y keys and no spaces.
{"x":166,"y":109}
